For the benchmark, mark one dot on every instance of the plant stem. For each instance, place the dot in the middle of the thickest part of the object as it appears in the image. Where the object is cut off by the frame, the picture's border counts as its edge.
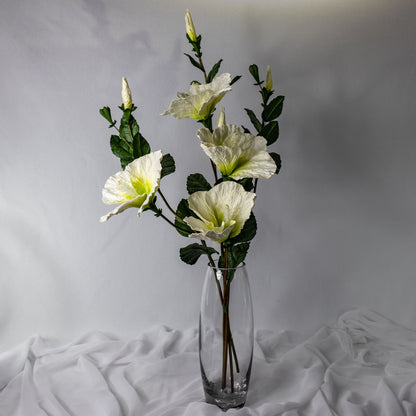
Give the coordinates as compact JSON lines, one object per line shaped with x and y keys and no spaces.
{"x":237,"y":367}
{"x":203,"y":69}
{"x":225,"y":321}
{"x":212,"y":263}
{"x":214,"y":169}
{"x":231,"y":361}
{"x":171,"y":223}
{"x":168,"y":205}
{"x":224,"y":337}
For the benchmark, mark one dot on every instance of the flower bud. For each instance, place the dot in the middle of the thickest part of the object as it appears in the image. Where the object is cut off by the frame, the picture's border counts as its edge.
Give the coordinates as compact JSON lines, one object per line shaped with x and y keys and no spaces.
{"x":126,"y":94}
{"x":269,"y":82}
{"x":190,"y":29}
{"x":221,"y":118}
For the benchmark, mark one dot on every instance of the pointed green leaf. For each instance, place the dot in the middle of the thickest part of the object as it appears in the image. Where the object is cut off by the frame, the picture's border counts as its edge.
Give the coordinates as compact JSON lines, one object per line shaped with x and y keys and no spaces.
{"x":239,"y":252}
{"x":194,"y":62}
{"x":247,"y":184}
{"x":121,"y":150}
{"x":277,"y":160}
{"x":247,"y":233}
{"x":196,"y":182}
{"x":140,"y":146}
{"x":235,"y":79}
{"x":254,"y":71}
{"x":125,"y":131}
{"x":254,"y":120}
{"x":214,"y":71}
{"x":190,"y":254}
{"x":183,"y":211}
{"x":168,"y":165}
{"x":134,"y":126}
{"x":270,"y":132}
{"x":273,"y":109}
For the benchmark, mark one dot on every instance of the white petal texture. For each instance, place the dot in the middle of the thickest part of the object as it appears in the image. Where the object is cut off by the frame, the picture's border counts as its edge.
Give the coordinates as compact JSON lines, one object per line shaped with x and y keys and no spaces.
{"x":200,"y":100}
{"x":237,"y":154}
{"x":134,"y":187}
{"x":222,"y":211}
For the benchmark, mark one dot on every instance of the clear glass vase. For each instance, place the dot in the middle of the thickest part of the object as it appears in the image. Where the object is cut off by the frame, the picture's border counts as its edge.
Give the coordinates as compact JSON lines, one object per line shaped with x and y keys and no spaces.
{"x":226,"y":336}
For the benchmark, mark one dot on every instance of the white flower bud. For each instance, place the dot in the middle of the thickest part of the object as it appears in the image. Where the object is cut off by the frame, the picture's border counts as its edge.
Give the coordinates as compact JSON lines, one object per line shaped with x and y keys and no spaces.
{"x":126,"y":94}
{"x":221,"y":117}
{"x":269,"y":82}
{"x":190,"y":29}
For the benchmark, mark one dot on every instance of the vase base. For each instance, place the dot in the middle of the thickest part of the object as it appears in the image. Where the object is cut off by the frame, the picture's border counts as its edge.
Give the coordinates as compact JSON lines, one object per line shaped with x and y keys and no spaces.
{"x":224,"y":398}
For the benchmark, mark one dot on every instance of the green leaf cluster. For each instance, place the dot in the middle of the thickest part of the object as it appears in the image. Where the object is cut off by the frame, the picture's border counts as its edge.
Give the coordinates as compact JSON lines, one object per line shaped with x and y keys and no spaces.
{"x":128,"y":144}
{"x":266,"y":126}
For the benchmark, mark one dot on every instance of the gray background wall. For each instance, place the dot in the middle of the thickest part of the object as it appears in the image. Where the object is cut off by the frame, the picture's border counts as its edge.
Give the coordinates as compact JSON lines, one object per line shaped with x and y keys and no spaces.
{"x":336,"y":227}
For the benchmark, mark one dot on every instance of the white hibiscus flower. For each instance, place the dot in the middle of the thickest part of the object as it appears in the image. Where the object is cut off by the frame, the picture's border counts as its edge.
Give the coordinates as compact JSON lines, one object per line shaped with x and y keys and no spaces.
{"x":135,"y":186}
{"x":200,"y":100}
{"x":222,"y":211}
{"x":237,"y":154}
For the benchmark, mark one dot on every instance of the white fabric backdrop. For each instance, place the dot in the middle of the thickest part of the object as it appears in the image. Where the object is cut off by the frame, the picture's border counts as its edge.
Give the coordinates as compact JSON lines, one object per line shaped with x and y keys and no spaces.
{"x":336,"y":227}
{"x":364,"y":364}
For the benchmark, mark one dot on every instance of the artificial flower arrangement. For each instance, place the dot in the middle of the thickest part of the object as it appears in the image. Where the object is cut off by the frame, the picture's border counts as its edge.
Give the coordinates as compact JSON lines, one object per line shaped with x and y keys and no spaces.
{"x":220,"y":210}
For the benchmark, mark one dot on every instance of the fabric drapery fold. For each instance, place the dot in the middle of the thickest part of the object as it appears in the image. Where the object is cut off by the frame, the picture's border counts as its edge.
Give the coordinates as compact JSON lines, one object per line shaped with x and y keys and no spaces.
{"x":363,"y":364}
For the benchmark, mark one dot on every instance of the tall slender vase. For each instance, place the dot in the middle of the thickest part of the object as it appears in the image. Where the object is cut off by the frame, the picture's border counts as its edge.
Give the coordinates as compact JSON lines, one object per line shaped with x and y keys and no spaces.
{"x":226,"y":336}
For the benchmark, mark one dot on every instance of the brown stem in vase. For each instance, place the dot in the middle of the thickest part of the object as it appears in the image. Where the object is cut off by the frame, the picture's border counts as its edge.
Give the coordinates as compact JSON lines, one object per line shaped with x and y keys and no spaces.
{"x":231,"y":361}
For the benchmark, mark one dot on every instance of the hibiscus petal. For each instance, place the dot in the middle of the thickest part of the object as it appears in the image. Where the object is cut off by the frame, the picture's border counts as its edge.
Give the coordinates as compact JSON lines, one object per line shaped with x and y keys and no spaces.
{"x":260,"y":165}
{"x":200,"y":100}
{"x":237,"y":154}
{"x":135,"y":186}
{"x":222,"y":211}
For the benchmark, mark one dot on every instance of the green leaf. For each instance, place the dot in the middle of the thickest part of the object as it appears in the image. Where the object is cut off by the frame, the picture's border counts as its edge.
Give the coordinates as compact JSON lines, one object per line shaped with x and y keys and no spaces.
{"x":106,"y":113}
{"x":121,"y":150}
{"x":134,"y":126}
{"x":235,"y":79}
{"x":126,"y":114}
{"x":196,"y":182}
{"x":245,"y":129}
{"x":125,"y":130}
{"x":183,"y":211}
{"x":118,"y":141}
{"x":256,"y":123}
{"x":194,"y":62}
{"x":190,"y":254}
{"x":277,"y":160}
{"x":273,"y":109}
{"x":125,"y":162}
{"x":239,"y":252}
{"x":168,"y":165}
{"x":247,"y":233}
{"x":247,"y":184}
{"x":140,"y":146}
{"x":270,"y":132}
{"x":254,"y":71}
{"x":214,"y":71}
